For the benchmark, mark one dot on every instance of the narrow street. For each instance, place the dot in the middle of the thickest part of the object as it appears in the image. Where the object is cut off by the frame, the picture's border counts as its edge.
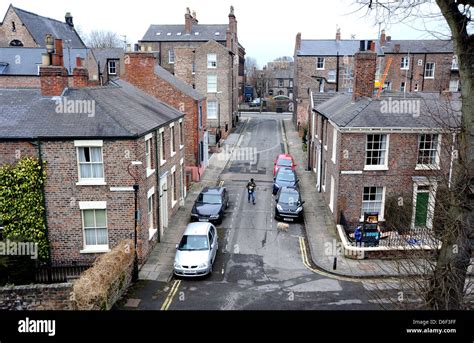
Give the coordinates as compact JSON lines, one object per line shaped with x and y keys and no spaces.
{"x":258,"y":267}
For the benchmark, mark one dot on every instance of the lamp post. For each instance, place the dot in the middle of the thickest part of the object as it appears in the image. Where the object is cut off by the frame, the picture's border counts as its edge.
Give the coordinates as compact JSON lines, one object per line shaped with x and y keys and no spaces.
{"x":136,"y":188}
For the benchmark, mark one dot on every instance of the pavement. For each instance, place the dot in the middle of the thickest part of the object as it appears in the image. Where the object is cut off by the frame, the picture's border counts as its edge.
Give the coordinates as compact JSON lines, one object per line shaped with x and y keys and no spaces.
{"x":159,"y":265}
{"x":321,"y":232}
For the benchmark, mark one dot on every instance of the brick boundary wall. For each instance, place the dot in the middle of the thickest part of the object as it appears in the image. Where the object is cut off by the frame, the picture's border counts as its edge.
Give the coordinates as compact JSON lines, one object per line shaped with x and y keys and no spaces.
{"x":36,"y":297}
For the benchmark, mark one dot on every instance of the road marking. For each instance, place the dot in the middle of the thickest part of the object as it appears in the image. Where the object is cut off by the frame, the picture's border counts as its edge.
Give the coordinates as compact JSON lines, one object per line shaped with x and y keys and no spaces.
{"x":283,"y":136}
{"x":304,"y":258}
{"x":171,"y":294}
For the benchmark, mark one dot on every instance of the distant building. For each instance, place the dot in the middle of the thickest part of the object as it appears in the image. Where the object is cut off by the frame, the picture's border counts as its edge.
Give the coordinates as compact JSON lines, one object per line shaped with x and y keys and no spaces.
{"x":281,"y":78}
{"x":207,"y":57}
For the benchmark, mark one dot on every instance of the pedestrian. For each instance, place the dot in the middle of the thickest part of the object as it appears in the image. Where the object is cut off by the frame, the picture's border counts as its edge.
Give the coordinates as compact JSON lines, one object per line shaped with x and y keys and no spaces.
{"x":251,"y":186}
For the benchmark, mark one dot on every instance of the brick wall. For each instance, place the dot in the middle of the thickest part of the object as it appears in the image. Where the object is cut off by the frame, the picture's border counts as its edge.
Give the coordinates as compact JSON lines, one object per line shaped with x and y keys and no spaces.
{"x":12,"y":152}
{"x":183,"y":67}
{"x":21,"y":33}
{"x":36,"y":297}
{"x":13,"y":81}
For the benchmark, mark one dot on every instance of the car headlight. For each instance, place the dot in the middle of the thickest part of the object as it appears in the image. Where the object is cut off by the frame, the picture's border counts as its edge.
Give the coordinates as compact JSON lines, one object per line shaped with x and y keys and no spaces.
{"x":299,"y":209}
{"x":214,"y":216}
{"x":276,"y":185}
{"x":194,"y":215}
{"x":279,"y":208}
{"x":177,"y":265}
{"x":203,"y":265}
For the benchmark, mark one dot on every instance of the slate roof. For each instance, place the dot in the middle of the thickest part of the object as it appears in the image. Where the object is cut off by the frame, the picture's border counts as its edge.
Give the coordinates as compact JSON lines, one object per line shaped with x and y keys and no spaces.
{"x":176,"y":33}
{"x":121,"y":111}
{"x":367,"y":112}
{"x":31,"y":59}
{"x":38,"y":26}
{"x":103,"y":54}
{"x":177,"y":83}
{"x":283,"y":73}
{"x":420,"y":46}
{"x":331,"y":47}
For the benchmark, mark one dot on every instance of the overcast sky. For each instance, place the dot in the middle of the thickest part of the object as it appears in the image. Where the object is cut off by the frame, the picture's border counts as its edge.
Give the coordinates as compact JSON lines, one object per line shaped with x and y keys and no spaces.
{"x":266,"y":28}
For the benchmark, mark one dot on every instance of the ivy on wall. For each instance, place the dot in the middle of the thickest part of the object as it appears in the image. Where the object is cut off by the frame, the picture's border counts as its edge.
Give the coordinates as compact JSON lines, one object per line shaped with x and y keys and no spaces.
{"x":21,"y":204}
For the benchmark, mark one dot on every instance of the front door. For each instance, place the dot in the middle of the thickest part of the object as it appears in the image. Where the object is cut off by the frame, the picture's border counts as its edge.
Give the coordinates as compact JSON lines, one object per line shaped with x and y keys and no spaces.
{"x":421,"y":212}
{"x":163,"y":207}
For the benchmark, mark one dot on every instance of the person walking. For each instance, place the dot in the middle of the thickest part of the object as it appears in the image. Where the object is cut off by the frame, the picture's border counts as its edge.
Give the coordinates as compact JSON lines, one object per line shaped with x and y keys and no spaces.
{"x":251,"y":187}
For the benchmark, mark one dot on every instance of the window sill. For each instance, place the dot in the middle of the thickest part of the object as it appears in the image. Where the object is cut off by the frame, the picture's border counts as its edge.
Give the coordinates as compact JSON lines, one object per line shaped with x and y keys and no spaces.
{"x":429,"y":77}
{"x":92,"y":183}
{"x":181,"y":147}
{"x":326,"y":147}
{"x":173,"y":154}
{"x":320,"y":69}
{"x":150,"y":172}
{"x":323,"y":188}
{"x":162,"y":163}
{"x":375,"y":168}
{"x":151,"y":233}
{"x":427,"y":167}
{"x":95,"y":250}
{"x":173,"y":203}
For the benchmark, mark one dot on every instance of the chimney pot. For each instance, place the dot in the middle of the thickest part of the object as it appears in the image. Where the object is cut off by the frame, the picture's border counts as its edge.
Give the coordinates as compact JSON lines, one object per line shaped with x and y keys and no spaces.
{"x":68,"y":18}
{"x":389,"y":38}
{"x":382,"y":37}
{"x":362,"y":45}
{"x":338,"y":34}
{"x":397,"y":48}
{"x":188,"y":21}
{"x":78,"y":62}
{"x":298,"y":41}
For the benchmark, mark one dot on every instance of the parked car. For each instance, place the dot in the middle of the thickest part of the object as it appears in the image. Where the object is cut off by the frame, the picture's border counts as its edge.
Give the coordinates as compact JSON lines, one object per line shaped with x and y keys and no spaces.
{"x":289,"y":205}
{"x":283,"y":160}
{"x":255,"y":102}
{"x":210,"y":205}
{"x":197,"y":250}
{"x":285,"y":177}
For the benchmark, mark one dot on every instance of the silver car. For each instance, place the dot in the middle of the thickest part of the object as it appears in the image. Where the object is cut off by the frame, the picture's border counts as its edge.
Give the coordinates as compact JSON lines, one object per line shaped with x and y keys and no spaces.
{"x":196,"y":252}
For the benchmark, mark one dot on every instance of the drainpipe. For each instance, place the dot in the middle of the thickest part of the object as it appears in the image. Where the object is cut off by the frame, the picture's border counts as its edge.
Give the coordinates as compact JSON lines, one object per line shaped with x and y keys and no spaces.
{"x":322,"y":157}
{"x":452,"y":162}
{"x":45,"y":217}
{"x":337,"y":72}
{"x":423,"y":74}
{"x":157,"y":172}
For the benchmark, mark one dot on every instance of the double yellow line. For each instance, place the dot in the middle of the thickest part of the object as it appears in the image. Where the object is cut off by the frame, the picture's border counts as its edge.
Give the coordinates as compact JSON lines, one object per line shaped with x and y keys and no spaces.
{"x":169,"y":299}
{"x":305,"y":259}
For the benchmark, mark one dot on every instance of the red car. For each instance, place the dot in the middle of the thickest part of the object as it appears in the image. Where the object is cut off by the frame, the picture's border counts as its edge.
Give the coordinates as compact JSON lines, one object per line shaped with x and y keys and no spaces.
{"x":284,"y":160}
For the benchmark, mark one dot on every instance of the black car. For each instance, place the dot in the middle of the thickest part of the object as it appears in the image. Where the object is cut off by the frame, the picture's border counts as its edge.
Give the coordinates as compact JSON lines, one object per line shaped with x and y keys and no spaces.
{"x":285,"y":177}
{"x":289,"y":205}
{"x":210,"y":205}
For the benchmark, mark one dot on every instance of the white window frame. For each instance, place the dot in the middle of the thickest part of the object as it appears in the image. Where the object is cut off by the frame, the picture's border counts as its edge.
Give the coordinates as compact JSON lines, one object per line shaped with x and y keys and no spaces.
{"x":454,"y":63}
{"x":454,"y":89}
{"x":148,"y":155}
{"x":332,"y":75}
{"x":161,"y":133}
{"x":403,"y":86}
{"x":332,"y":195}
{"x":416,"y":87}
{"x":93,"y":206}
{"x":181,"y":134}
{"x":382,"y":205}
{"x":174,"y":199}
{"x":431,"y":201}
{"x":324,"y":171}
{"x":211,"y":85}
{"x":433,"y":72}
{"x":90,"y":181}
{"x":387,"y":147}
{"x":405,"y":63}
{"x":110,"y":67}
{"x":171,"y":56}
{"x":172,"y":140}
{"x":334,"y":145}
{"x":150,"y":216}
{"x":317,"y":63}
{"x":281,"y":83}
{"x":431,"y":166}
{"x":211,"y":61}
{"x":209,"y":116}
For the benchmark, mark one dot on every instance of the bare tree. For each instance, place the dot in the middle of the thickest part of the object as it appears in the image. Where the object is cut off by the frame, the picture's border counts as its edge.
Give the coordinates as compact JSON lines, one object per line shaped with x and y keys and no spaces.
{"x":250,"y":67}
{"x":104,"y":39}
{"x":447,"y":281}
{"x":284,"y":59}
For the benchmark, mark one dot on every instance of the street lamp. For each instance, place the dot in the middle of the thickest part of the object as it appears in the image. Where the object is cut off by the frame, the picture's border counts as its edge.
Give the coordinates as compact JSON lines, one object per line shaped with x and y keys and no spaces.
{"x":136,"y":188}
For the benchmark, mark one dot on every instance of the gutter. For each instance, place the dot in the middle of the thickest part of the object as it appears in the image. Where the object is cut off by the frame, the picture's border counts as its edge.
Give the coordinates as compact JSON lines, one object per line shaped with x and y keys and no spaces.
{"x":157,"y":198}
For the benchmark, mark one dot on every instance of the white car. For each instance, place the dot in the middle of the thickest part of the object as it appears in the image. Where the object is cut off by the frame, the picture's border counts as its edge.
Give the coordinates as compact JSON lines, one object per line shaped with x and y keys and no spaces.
{"x":196,"y":253}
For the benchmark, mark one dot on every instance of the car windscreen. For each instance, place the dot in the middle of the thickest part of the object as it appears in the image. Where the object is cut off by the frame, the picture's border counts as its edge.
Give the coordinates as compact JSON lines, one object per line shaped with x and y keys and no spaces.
{"x":284,"y":162}
{"x":288,"y":198}
{"x":210,"y":199}
{"x":193,"y":243}
{"x":284,"y":175}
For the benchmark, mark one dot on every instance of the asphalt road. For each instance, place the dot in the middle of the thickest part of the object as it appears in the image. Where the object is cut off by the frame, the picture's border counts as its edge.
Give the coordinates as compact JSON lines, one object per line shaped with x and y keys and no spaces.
{"x":259,"y":267}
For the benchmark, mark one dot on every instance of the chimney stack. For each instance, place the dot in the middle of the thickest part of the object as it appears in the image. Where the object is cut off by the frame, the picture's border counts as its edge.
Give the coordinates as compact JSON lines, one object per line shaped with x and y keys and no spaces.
{"x":140,"y":68}
{"x":382,"y":38}
{"x":338,"y":34}
{"x":188,"y":22}
{"x":298,"y":41}
{"x":68,"y":18}
{"x":396,"y":48}
{"x":54,"y":78}
{"x":232,"y":21}
{"x":194,"y":18}
{"x":365,"y":63}
{"x":389,"y":39}
{"x":228,"y":39}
